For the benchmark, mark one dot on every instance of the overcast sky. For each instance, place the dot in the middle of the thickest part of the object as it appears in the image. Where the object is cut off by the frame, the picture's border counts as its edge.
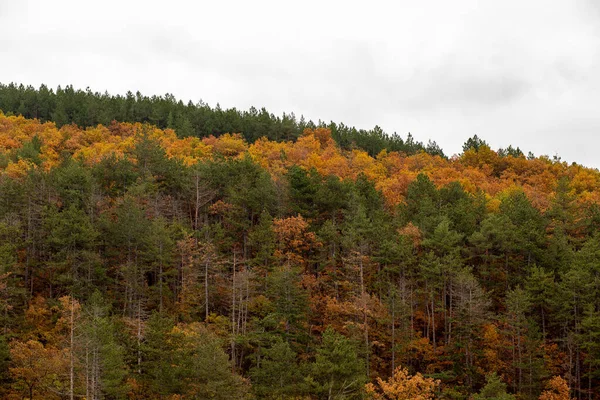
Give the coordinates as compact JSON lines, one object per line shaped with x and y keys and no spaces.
{"x":520,"y":72}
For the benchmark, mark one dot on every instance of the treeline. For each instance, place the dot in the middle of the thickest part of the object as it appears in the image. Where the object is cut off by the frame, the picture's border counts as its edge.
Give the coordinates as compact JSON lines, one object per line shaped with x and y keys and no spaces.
{"x":87,"y":108}
{"x":135,"y":264}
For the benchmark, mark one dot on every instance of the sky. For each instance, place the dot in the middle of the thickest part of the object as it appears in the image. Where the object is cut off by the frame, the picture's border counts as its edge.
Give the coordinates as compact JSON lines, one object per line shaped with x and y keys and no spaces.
{"x":514,"y":72}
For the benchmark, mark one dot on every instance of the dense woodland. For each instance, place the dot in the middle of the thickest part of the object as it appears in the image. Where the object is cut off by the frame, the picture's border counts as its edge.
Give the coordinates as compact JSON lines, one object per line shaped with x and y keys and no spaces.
{"x":143,"y":262}
{"x":87,"y":108}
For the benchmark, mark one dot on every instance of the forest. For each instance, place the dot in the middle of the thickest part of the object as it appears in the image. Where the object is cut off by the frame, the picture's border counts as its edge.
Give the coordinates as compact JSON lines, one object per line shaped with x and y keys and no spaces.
{"x":240,"y":255}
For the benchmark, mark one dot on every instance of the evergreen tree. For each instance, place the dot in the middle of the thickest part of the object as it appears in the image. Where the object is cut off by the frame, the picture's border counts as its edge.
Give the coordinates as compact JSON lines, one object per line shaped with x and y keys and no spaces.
{"x":276,"y":374}
{"x":494,"y":389}
{"x":337,"y":372}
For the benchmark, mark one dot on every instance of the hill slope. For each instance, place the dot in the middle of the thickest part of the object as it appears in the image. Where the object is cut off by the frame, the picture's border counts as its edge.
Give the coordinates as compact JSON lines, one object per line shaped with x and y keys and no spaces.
{"x":138,"y":264}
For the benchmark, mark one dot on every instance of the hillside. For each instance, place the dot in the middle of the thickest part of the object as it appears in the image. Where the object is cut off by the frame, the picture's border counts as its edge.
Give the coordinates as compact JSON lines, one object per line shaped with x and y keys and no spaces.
{"x":139,"y":263}
{"x":87,"y":109}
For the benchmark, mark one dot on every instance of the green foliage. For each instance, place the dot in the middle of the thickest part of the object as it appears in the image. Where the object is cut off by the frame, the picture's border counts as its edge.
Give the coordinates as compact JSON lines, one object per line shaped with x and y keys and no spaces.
{"x":590,"y":341}
{"x":242,"y":183}
{"x":262,"y":240}
{"x":422,"y":204}
{"x":465,"y":211}
{"x":4,"y":361}
{"x":114,"y":175}
{"x":276,"y":373}
{"x":73,"y":182}
{"x":289,"y":302}
{"x":30,"y":151}
{"x":453,"y":283}
{"x":86,"y":108}
{"x":337,"y":372}
{"x":155,"y":167}
{"x":303,"y":190}
{"x":510,"y":152}
{"x":159,"y":356}
{"x":107,"y":358}
{"x":494,"y":389}
{"x":187,"y":360}
{"x":474,"y":143}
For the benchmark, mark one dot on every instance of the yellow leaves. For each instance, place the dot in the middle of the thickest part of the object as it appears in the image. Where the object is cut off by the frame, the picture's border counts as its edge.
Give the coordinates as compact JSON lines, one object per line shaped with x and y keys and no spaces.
{"x":190,"y":150}
{"x":412,"y":232}
{"x":394,"y":188}
{"x":294,"y":238}
{"x":39,"y":369}
{"x":97,"y":151}
{"x":272,"y":156}
{"x":323,"y":135}
{"x":340,"y":314}
{"x":556,"y":389}
{"x":220,"y":208}
{"x":494,"y":348}
{"x":8,"y":143}
{"x":293,"y":232}
{"x":70,"y":312}
{"x":41,"y":317}
{"x":478,"y":158}
{"x":362,"y":162}
{"x":304,"y":146}
{"x":402,"y":386}
{"x":585,"y":180}
{"x":391,"y":172}
{"x":260,"y":305}
{"x":334,"y":163}
{"x":508,"y":192}
{"x":19,"y":169}
{"x":228,"y":145}
{"x":423,"y":162}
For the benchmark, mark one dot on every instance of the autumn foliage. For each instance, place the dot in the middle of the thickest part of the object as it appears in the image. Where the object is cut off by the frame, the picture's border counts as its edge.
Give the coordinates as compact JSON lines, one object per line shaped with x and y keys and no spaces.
{"x":556,"y":389}
{"x":147,"y":263}
{"x":402,"y":386}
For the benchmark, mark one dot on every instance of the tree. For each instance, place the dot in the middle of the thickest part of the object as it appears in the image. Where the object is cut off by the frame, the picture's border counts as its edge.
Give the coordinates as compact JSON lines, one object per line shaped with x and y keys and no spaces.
{"x":541,"y":287}
{"x":494,"y":389}
{"x":422,"y":204}
{"x":556,"y":389}
{"x":337,"y":372}
{"x":187,"y":360}
{"x":276,"y":373}
{"x":471,"y":307}
{"x":402,"y":386}
{"x":160,"y":367}
{"x":474,"y":143}
{"x":4,"y":364}
{"x":518,"y":303}
{"x":289,"y":302}
{"x":590,"y":342}
{"x":102,"y":356}
{"x":70,"y":238}
{"x":39,"y":371}
{"x":203,"y":366}
{"x":303,"y":187}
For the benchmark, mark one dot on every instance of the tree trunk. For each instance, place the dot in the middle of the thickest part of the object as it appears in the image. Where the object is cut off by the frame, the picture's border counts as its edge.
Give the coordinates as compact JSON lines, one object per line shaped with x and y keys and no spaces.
{"x":71,"y":358}
{"x":393,"y":333}
{"x":364,"y":307}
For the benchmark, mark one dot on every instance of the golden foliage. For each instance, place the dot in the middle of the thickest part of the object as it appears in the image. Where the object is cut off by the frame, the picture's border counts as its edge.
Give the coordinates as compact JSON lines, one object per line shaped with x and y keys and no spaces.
{"x":391,"y":172}
{"x":402,"y":386}
{"x":556,"y":389}
{"x":39,"y":369}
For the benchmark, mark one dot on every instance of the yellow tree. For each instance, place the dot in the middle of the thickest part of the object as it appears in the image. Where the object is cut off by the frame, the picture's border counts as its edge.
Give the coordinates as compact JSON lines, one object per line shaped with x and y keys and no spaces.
{"x":39,"y":371}
{"x":556,"y":389}
{"x":402,"y":386}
